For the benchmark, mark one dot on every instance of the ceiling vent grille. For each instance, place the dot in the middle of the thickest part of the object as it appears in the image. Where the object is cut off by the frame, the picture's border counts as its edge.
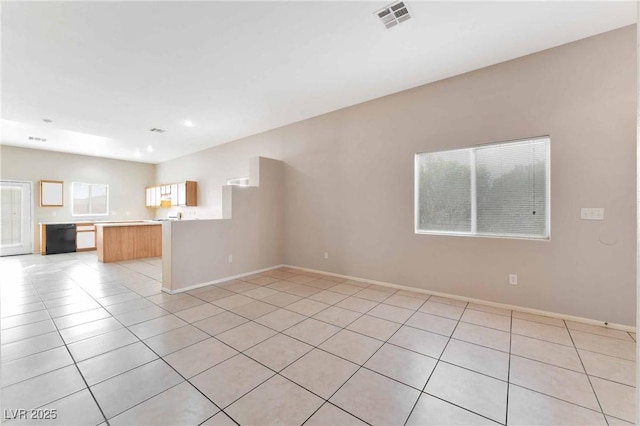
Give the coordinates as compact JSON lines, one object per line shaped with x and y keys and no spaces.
{"x":34,"y":138}
{"x":156,"y":130}
{"x":394,"y":14}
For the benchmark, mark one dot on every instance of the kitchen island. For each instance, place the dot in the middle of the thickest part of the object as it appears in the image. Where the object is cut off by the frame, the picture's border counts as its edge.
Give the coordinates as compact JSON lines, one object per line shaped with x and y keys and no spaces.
{"x":85,"y":238}
{"x":126,"y":241}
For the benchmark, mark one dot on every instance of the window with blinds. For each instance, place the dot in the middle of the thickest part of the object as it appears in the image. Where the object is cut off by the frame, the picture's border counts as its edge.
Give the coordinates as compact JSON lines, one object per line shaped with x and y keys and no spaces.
{"x":89,"y":199}
{"x":499,"y":190}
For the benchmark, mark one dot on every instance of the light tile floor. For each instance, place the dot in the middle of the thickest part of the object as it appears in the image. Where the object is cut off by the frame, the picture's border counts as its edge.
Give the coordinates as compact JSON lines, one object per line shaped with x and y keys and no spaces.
{"x":99,"y":343}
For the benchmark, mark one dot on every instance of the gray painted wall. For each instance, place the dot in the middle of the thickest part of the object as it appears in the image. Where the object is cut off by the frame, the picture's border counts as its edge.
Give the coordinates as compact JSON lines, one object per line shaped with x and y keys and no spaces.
{"x":349,"y":181}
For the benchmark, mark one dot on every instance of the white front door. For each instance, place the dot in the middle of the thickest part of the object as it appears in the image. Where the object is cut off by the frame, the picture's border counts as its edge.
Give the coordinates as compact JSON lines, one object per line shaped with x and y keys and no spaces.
{"x":15,"y":216}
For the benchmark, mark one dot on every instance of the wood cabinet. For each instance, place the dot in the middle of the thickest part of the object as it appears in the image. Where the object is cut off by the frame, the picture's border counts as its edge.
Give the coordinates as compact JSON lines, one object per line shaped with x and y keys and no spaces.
{"x":174,"y":194}
{"x":128,"y":241}
{"x":85,"y":237}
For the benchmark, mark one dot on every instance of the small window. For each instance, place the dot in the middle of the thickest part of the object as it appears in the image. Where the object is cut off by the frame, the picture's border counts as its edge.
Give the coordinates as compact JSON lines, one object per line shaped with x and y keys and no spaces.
{"x":90,"y":199}
{"x":243,"y":181}
{"x":499,"y":190}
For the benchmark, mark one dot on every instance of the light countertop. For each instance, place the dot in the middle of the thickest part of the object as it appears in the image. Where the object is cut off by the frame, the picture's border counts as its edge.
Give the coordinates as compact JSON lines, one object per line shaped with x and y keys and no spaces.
{"x":97,"y":222}
{"x":121,"y":224}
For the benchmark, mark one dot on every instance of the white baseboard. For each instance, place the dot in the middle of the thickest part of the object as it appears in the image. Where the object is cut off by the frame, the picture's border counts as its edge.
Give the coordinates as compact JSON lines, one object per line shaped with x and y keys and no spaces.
{"x":477,"y":301}
{"x":417,"y":290}
{"x":218,"y":281}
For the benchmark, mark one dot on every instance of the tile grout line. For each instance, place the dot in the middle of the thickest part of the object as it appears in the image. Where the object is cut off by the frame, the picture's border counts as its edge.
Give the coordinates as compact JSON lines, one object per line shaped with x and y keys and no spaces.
{"x":78,"y":362}
{"x":438,"y":360}
{"x":586,"y":374}
{"x":475,"y":310}
{"x":160,"y":358}
{"x":402,"y":324}
{"x":306,"y":317}
{"x":79,"y":372}
{"x":277,"y":373}
{"x":506,"y":414}
{"x":313,"y":347}
{"x":360,"y":366}
{"x":277,"y":331}
{"x":141,"y":341}
{"x":166,"y":363}
{"x":354,"y":295}
{"x":415,"y":404}
{"x":284,"y":307}
{"x":556,"y":398}
{"x":348,"y":296}
{"x":35,"y":335}
{"x":242,"y":352}
{"x":323,"y":350}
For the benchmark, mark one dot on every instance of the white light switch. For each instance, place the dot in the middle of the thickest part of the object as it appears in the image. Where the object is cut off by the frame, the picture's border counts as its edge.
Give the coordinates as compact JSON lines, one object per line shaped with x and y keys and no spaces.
{"x":591,"y":213}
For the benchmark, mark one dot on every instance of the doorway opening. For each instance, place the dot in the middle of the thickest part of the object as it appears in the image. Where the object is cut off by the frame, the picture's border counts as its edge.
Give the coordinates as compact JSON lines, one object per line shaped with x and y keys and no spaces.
{"x":16,"y":230}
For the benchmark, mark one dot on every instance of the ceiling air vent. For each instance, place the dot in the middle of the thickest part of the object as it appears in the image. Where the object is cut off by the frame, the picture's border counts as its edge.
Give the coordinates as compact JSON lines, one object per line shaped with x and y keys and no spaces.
{"x":33,"y":138}
{"x":394,"y":14}
{"x":156,"y":130}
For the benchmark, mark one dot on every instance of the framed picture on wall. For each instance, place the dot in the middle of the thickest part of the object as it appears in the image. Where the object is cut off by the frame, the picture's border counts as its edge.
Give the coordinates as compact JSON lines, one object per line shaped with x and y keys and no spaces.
{"x":51,"y":193}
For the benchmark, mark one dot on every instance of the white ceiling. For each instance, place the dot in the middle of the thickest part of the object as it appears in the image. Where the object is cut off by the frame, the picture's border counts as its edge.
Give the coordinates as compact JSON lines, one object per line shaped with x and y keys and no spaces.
{"x":107,"y":72}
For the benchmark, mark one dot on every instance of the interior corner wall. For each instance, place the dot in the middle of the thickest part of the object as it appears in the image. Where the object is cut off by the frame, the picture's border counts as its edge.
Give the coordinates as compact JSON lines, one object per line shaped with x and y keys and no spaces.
{"x":349,"y":187}
{"x":250,"y":238}
{"x":126,"y":179}
{"x":211,"y":168}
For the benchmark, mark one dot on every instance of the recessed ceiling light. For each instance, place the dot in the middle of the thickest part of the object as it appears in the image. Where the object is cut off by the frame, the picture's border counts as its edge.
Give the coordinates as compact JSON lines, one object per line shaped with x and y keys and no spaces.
{"x":138,"y":153}
{"x":149,"y":148}
{"x":47,"y":121}
{"x":188,"y":123}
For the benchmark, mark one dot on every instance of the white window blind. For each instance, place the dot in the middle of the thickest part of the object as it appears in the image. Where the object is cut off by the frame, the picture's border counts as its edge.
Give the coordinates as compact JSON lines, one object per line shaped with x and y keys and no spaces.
{"x":90,"y":199}
{"x":492,"y":190}
{"x":445,"y":191}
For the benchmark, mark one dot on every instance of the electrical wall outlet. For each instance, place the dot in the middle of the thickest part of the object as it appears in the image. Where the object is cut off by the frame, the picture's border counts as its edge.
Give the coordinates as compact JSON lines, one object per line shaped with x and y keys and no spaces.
{"x":513,"y":279}
{"x":326,"y":254}
{"x":230,"y":259}
{"x":592,"y":213}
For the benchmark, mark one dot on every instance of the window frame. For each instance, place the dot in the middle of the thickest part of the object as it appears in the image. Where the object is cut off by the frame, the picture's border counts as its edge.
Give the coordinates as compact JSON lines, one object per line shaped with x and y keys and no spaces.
{"x":90,"y":213}
{"x":474,"y":214}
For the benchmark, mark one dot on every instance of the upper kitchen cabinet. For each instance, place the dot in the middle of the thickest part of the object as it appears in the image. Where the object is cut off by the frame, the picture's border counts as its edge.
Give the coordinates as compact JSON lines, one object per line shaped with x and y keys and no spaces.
{"x":175,"y":194}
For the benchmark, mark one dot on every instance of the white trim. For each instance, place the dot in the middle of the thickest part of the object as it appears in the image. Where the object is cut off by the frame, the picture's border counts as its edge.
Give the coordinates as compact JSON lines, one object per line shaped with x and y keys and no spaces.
{"x":548,"y":188}
{"x":499,"y":236}
{"x":477,"y":301}
{"x":510,"y":142}
{"x":416,"y":290}
{"x":474,"y":192}
{"x":637,"y":395}
{"x":90,"y":185}
{"x":32,"y":211}
{"x":416,"y":207}
{"x":218,"y":281}
{"x":473,"y":232}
